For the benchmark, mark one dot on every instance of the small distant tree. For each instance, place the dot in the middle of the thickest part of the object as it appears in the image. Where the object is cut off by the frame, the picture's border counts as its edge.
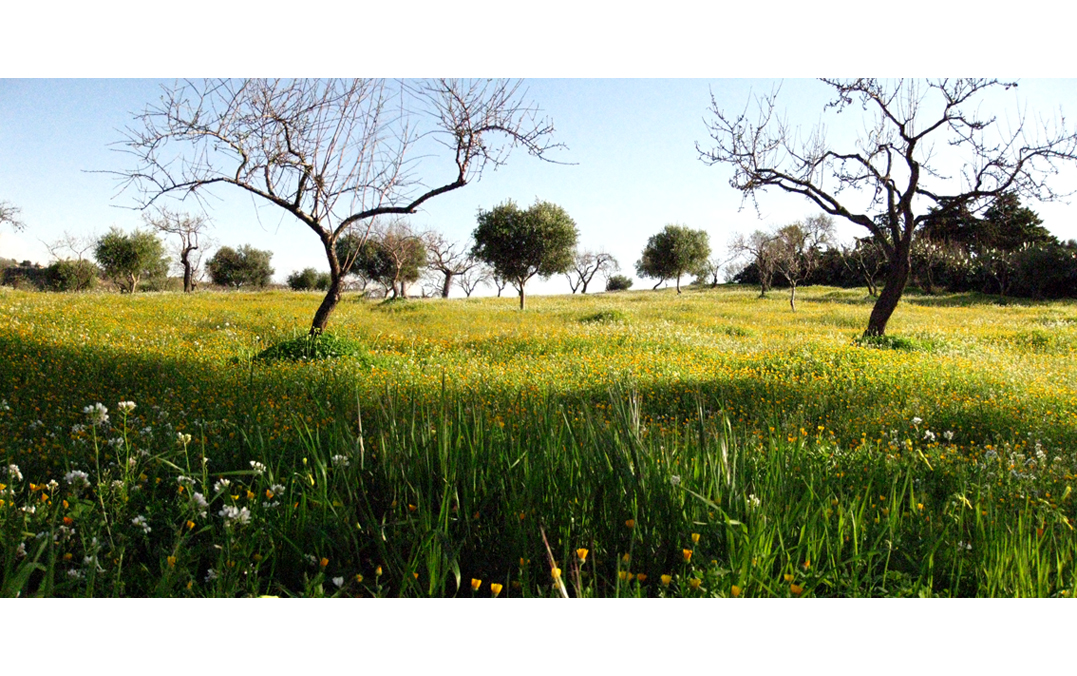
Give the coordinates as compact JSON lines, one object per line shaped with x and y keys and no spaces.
{"x":587,"y":264}
{"x":758,"y":247}
{"x":498,"y":282}
{"x":865,"y":259}
{"x":308,"y":279}
{"x":448,"y":258}
{"x":187,"y":229}
{"x":393,"y":257}
{"x":710,"y":272}
{"x":797,"y":250}
{"x":673,"y":252}
{"x":618,"y":283}
{"x":519,"y":244}
{"x":126,"y":259}
{"x":473,"y":278}
{"x":242,"y":267}
{"x":72,"y":275}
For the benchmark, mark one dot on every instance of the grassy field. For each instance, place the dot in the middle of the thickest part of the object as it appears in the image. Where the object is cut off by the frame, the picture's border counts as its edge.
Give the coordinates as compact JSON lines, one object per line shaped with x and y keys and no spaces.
{"x":633,"y":444}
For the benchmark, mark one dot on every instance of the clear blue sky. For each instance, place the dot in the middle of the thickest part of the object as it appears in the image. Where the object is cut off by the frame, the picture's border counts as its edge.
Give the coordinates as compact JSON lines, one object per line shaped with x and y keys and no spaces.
{"x":631,"y":144}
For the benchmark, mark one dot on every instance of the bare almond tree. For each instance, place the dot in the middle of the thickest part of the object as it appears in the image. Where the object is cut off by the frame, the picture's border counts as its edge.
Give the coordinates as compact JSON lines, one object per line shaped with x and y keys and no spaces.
{"x":63,"y":248}
{"x":188,"y":229}
{"x":889,"y":180}
{"x":797,"y":249}
{"x":334,"y":154}
{"x":448,"y":258}
{"x":473,"y":278}
{"x":758,"y":247}
{"x":586,"y":265}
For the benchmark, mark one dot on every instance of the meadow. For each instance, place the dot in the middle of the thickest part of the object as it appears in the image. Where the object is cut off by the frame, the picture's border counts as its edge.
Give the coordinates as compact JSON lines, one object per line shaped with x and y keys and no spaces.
{"x":632,"y":444}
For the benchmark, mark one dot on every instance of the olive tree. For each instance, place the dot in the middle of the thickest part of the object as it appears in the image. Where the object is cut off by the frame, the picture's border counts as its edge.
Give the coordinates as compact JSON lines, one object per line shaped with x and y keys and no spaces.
{"x":893,"y":178}
{"x":238,"y":268}
{"x":673,"y":252}
{"x":127,"y":259}
{"x":335,"y":154}
{"x":521,"y":243}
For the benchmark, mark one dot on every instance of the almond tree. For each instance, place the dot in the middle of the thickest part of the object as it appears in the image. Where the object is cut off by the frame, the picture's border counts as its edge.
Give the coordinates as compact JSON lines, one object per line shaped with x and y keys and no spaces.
{"x":889,"y":181}
{"x":797,"y":248}
{"x":335,"y":154}
{"x":586,"y":265}
{"x":188,"y":229}
{"x":449,"y":259}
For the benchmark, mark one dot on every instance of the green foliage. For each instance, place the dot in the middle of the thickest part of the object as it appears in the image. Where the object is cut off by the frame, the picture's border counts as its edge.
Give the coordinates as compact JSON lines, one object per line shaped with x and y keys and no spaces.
{"x":308,"y":279}
{"x":618,"y":283}
{"x":389,"y":259}
{"x":673,"y":252}
{"x":126,"y":259}
{"x":239,"y":268}
{"x":312,"y":348}
{"x":519,"y":244}
{"x":603,"y":316}
{"x":72,"y":275}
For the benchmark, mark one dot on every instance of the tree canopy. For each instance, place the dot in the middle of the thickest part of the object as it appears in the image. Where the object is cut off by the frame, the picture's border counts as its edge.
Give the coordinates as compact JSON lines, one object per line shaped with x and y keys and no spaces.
{"x":673,"y":252}
{"x":238,"y":268}
{"x":127,"y":259}
{"x":521,"y":243}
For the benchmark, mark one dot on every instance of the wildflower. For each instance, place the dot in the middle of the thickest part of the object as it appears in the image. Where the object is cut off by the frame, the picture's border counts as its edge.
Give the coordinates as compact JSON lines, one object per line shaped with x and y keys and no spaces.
{"x":338,"y":581}
{"x":666,"y":579}
{"x":377,"y":572}
{"x":687,"y":555}
{"x":200,"y":503}
{"x":753,"y":501}
{"x":221,"y":485}
{"x":97,"y":414}
{"x":495,"y":588}
{"x":21,"y":550}
{"x":340,"y":461}
{"x":734,"y":591}
{"x":694,"y":582}
{"x":75,"y":574}
{"x":806,"y":565}
{"x":796,"y":589}
{"x":929,"y":436}
{"x":77,"y":428}
{"x":171,"y":562}
{"x":412,"y":508}
{"x":276,"y":489}
{"x":582,"y":554}
{"x":788,"y":577}
{"x":948,"y":435}
{"x":675,"y":480}
{"x":917,"y":420}
{"x":3,"y":406}
{"x":323,"y":562}
{"x":183,"y":438}
{"x":556,"y":573}
{"x":642,"y":577}
{"x":258,"y":467}
{"x":126,"y":406}
{"x":359,"y":579}
{"x":68,"y":521}
{"x":475,"y":584}
{"x":631,"y":523}
{"x":184,"y":480}
{"x":14,"y":472}
{"x":211,"y":575}
{"x":140,"y":521}
{"x":191,"y":525}
{"x":626,"y":558}
{"x":695,"y":537}
{"x":233,"y":514}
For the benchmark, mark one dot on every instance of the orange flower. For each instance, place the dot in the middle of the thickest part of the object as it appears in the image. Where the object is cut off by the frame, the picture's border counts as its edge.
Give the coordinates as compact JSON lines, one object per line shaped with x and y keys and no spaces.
{"x":807,"y":564}
{"x":359,"y":579}
{"x":475,"y":584}
{"x":377,"y":572}
{"x":796,"y":589}
{"x":324,"y":562}
{"x":495,"y":588}
{"x":412,"y":508}
{"x":631,"y":523}
{"x":666,"y":579}
{"x":687,"y":555}
{"x":171,"y":562}
{"x":734,"y":591}
{"x":582,"y":554}
{"x":68,"y":521}
{"x":250,"y":495}
{"x":626,"y":558}
{"x":642,"y":577}
{"x":190,"y":525}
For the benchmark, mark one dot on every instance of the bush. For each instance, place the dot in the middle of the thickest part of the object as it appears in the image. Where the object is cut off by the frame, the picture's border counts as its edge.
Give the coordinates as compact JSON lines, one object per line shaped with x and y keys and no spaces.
{"x":309,"y":279}
{"x":237,"y":268}
{"x":618,"y":283}
{"x":313,"y":348}
{"x":68,"y":275}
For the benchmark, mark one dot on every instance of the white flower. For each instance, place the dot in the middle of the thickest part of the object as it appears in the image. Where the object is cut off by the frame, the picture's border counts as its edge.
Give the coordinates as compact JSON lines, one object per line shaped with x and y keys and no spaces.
{"x":116,"y":443}
{"x":183,"y":438}
{"x":258,"y":467}
{"x":146,"y":431}
{"x":948,"y":435}
{"x":126,"y":406}
{"x":276,"y":489}
{"x":338,"y":581}
{"x":929,"y":435}
{"x":77,"y":428}
{"x":96,"y":414}
{"x":221,"y":485}
{"x":77,"y":478}
{"x":3,"y":406}
{"x":185,"y":480}
{"x":52,"y":484}
{"x":753,"y":501}
{"x":75,"y":574}
{"x":21,"y":551}
{"x":675,"y":480}
{"x":917,"y":420}
{"x":340,"y":461}
{"x":140,"y":521}
{"x":235,"y":514}
{"x":200,"y":503}
{"x":14,"y":473}
{"x":211,"y":575}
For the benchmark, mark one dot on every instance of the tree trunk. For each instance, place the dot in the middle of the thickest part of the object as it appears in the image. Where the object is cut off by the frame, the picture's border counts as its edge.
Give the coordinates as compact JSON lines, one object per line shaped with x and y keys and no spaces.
{"x":897,"y":276}
{"x":333,"y":294}
{"x":521,"y":296}
{"x":793,"y":297}
{"x":188,"y":273}
{"x":678,"y":284}
{"x":447,"y":285}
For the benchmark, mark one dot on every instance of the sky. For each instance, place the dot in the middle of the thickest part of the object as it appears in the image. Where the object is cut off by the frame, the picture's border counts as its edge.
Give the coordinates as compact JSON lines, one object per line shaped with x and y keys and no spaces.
{"x":629,"y":120}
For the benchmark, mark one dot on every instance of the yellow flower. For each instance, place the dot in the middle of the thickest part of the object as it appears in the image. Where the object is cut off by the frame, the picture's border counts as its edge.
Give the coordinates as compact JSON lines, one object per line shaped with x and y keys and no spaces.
{"x":556,"y":572}
{"x":475,"y":584}
{"x":687,"y":555}
{"x":359,"y":579}
{"x":269,"y":494}
{"x":622,"y":575}
{"x":626,"y":558}
{"x":666,"y":579}
{"x":412,"y":508}
{"x":631,"y":523}
{"x":695,"y":537}
{"x":734,"y":591}
{"x":788,"y":577}
{"x":257,"y":558}
{"x":582,"y":554}
{"x":171,"y":562}
{"x":495,"y":588}
{"x":642,"y":577}
{"x":796,"y":589}
{"x":190,"y":525}
{"x":324,"y":562}
{"x":694,"y":582}
{"x":250,"y":495}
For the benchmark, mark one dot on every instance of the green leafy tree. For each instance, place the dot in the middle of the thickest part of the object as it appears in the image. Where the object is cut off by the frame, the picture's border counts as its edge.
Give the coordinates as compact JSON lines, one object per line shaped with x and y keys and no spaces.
{"x":242,"y":267}
{"x":618,"y":283}
{"x":308,"y":279}
{"x":126,"y":259}
{"x":72,"y":275}
{"x":675,"y":251}
{"x":521,"y":243}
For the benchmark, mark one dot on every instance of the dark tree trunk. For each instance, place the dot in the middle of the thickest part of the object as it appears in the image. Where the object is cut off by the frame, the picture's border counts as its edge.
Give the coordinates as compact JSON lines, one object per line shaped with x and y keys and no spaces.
{"x":793,"y":297}
{"x":447,"y":285}
{"x":333,"y":294}
{"x":897,"y":277}
{"x":521,"y":296}
{"x":678,"y":284}
{"x":188,"y":273}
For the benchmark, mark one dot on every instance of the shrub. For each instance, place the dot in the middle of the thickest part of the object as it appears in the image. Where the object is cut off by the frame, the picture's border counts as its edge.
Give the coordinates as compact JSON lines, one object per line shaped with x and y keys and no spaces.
{"x":313,"y":348}
{"x":308,"y":279}
{"x":618,"y":283}
{"x":237,"y":268}
{"x":69,"y":275}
